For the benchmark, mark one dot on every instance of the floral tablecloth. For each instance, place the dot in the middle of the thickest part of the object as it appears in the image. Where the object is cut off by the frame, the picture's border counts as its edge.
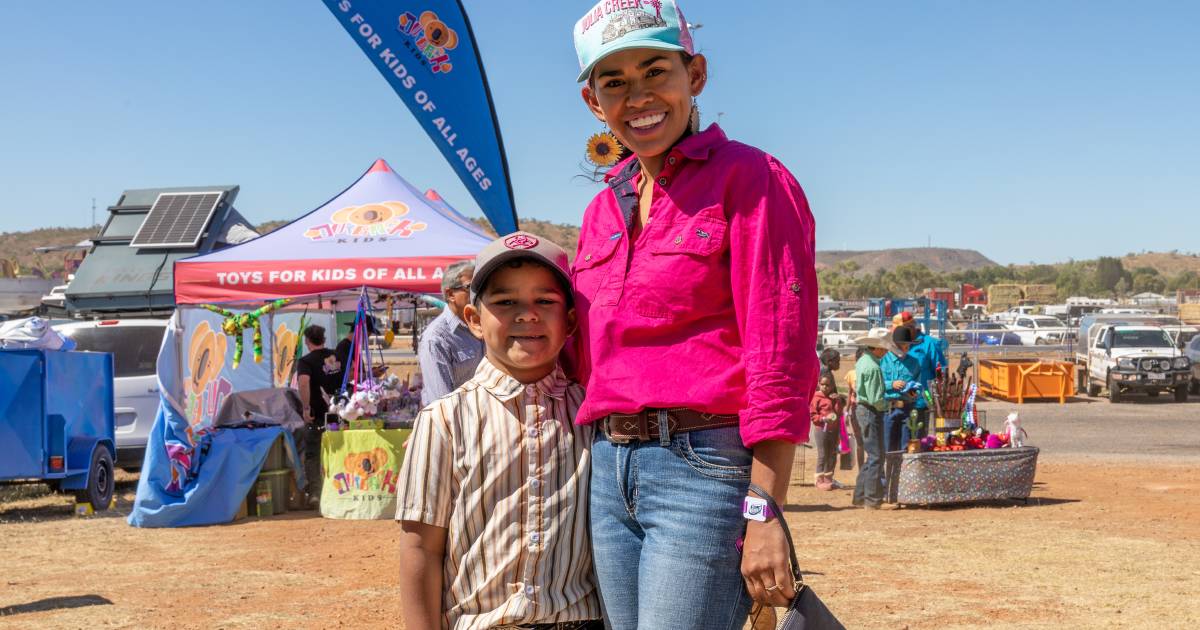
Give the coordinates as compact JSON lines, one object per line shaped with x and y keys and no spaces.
{"x":960,"y":476}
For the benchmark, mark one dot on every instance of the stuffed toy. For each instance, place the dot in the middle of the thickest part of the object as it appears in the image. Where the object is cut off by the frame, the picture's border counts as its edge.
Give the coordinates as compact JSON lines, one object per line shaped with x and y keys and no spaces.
{"x":1016,"y":435}
{"x":237,"y":323}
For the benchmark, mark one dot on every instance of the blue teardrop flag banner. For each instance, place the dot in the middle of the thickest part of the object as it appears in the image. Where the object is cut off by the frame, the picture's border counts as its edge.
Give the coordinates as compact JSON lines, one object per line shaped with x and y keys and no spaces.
{"x":426,"y":51}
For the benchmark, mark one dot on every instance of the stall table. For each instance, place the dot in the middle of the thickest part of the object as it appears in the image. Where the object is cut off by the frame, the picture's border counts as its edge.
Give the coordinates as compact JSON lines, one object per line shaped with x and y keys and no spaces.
{"x":359,"y":472}
{"x":936,"y":478}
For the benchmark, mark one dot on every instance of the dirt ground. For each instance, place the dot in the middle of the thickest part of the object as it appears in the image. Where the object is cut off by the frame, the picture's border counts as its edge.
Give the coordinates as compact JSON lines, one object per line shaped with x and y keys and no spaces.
{"x":1099,"y":545}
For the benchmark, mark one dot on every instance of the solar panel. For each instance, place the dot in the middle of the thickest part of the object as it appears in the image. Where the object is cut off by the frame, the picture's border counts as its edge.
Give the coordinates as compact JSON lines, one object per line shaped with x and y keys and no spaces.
{"x":177,"y":220}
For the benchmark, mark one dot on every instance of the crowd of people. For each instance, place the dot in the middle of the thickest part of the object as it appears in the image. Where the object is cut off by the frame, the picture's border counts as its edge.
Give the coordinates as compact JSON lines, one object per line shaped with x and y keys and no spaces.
{"x":886,"y":386}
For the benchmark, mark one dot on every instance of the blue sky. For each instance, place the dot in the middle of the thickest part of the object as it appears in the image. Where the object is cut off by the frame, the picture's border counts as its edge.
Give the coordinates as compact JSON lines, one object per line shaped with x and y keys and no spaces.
{"x":1031,"y":131}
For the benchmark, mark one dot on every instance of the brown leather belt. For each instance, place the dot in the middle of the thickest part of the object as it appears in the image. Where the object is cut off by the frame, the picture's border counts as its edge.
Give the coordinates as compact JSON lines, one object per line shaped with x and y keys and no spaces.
{"x":621,"y":428}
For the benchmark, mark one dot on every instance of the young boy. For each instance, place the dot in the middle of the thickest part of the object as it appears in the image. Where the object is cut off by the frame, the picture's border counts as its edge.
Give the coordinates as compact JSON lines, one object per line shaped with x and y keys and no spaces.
{"x":493,"y":490}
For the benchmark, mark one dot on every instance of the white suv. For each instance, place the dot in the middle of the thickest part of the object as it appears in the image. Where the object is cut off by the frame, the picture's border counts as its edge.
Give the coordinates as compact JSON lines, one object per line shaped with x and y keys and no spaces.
{"x":134,"y":344}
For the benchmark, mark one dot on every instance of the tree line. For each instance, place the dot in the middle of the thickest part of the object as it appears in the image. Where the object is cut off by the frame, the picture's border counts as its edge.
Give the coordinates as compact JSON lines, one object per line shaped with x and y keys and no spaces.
{"x":1103,"y":277}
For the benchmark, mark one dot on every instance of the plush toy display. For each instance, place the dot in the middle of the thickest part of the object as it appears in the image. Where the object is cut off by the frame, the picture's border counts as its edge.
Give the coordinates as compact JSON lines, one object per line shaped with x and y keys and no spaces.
{"x":236,"y":324}
{"x":1012,"y":427}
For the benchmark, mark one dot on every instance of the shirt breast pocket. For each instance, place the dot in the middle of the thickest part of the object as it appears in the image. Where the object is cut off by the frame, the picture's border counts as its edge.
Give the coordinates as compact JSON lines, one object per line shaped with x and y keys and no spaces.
{"x":684,"y":267}
{"x":592,"y":266}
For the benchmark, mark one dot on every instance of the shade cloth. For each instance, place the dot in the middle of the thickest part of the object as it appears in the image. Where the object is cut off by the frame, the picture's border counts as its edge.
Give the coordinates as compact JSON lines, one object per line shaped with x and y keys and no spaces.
{"x":360,"y":471}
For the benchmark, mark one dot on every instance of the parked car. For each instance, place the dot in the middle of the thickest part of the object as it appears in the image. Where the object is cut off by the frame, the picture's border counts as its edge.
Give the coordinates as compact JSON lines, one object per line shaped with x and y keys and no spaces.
{"x":985,"y":334}
{"x":1040,"y":330}
{"x":1192,"y":352}
{"x":134,"y":344}
{"x":1135,"y":358}
{"x":841,"y":331}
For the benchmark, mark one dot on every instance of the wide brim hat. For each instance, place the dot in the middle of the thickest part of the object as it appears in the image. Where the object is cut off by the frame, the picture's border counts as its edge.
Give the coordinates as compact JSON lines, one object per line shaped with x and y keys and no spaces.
{"x":520,"y":245}
{"x":616,"y":25}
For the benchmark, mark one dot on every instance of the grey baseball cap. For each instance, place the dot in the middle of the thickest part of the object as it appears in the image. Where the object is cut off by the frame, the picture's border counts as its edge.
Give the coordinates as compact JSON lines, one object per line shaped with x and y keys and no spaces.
{"x":519,"y":245}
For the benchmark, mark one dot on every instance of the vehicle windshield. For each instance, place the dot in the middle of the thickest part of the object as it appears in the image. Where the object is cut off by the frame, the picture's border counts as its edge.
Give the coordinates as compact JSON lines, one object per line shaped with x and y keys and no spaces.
{"x":855,"y":326}
{"x":1141,"y":339}
{"x":134,"y":348}
{"x":1047,"y":322}
{"x":988,"y":326}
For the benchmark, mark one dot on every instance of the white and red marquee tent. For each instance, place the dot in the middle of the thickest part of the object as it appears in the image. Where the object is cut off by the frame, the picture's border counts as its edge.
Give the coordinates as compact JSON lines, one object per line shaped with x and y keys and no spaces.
{"x":381,"y":233}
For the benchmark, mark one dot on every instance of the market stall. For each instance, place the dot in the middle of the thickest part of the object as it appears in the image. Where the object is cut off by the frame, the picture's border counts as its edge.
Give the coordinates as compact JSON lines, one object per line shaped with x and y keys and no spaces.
{"x":960,"y":461}
{"x":239,"y":326}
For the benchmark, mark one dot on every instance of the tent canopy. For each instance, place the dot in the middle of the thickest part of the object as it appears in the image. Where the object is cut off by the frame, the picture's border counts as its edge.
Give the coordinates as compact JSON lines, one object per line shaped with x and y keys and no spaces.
{"x":380,"y":232}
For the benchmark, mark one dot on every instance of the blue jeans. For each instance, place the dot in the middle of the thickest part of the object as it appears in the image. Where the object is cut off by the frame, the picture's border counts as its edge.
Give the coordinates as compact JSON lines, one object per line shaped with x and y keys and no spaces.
{"x":664,"y":521}
{"x":895,"y":427}
{"x":869,"y":486}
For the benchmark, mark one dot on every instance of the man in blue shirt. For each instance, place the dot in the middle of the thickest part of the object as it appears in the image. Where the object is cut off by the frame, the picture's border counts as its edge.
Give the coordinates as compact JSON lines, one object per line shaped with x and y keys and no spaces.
{"x":927,"y":351}
{"x":899,"y":369}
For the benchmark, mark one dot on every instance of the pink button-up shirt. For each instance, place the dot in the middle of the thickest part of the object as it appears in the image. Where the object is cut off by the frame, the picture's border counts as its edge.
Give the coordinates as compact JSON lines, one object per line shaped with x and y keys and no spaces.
{"x":712,"y":306}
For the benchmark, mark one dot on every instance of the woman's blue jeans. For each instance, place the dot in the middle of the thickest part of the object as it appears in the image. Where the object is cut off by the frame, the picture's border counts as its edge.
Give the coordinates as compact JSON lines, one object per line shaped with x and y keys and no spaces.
{"x":664,"y":523}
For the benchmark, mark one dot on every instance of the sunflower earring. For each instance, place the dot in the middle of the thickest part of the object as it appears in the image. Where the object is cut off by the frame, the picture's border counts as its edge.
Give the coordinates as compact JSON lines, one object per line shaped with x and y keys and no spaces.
{"x":603,"y":149}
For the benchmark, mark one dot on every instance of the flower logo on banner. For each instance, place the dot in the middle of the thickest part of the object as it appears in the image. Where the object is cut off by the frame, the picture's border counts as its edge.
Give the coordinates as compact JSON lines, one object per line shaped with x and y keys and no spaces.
{"x":377,"y":220}
{"x":520,"y":241}
{"x":430,"y":38}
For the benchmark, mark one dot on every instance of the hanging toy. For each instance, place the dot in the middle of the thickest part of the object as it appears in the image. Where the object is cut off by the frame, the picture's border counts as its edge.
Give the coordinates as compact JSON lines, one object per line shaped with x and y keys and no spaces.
{"x":236,"y":324}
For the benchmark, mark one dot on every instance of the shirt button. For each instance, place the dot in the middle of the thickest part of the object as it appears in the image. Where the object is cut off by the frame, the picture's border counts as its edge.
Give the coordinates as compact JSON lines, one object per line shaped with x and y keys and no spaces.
{"x":671,"y":160}
{"x":533,"y":433}
{"x":536,"y":483}
{"x":678,"y":240}
{"x":536,"y":537}
{"x":795,"y":287}
{"x":529,"y":590}
{"x":588,"y":257}
{"x":662,"y":181}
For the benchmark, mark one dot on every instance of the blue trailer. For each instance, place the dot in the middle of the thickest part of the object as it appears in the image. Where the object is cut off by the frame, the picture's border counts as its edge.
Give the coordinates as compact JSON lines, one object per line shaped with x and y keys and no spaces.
{"x":56,"y":421}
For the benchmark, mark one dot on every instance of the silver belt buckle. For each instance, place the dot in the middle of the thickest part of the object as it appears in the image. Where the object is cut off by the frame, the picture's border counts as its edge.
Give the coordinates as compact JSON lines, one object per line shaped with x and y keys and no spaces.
{"x":615,"y":439}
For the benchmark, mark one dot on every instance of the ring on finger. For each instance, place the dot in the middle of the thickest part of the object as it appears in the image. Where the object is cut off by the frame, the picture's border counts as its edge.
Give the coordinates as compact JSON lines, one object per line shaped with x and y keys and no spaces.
{"x":773,"y":587}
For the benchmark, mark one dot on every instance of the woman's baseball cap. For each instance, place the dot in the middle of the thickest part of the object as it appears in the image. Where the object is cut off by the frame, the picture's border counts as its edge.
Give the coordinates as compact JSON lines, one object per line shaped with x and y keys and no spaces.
{"x":615,"y":25}
{"x":520,"y":245}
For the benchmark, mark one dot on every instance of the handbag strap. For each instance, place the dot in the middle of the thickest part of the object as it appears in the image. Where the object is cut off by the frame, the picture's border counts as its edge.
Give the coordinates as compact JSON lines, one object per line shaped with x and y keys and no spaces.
{"x":764,"y":495}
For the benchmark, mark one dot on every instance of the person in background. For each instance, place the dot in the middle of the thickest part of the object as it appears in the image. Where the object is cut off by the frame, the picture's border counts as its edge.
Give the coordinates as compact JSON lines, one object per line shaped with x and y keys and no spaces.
{"x":448,"y":352}
{"x":831,"y":362}
{"x":927,"y":351}
{"x":342,"y":352}
{"x":316,"y":375}
{"x":899,"y":369}
{"x":852,"y":426}
{"x":870,"y":405}
{"x":826,"y":413}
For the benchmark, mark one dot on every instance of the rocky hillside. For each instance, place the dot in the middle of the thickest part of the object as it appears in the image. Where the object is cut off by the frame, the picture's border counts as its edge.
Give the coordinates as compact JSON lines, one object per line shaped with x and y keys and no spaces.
{"x":936,"y":259}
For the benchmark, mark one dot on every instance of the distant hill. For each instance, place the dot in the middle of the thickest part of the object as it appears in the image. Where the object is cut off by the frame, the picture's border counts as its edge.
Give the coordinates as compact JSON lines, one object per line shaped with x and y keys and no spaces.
{"x":937,"y":259}
{"x":19,"y":248}
{"x":1167,"y":264}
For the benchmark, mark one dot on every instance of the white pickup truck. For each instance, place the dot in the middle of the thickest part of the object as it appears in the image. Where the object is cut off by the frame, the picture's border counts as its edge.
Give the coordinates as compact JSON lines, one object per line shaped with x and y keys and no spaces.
{"x":1131,"y":358}
{"x":1040,"y":330}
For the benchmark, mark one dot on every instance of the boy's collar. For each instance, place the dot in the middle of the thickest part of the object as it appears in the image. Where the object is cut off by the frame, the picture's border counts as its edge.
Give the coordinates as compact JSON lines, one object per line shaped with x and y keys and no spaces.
{"x":505,"y":387}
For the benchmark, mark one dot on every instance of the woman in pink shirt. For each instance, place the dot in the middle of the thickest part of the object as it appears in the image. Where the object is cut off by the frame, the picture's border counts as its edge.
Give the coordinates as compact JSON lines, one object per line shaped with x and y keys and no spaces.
{"x":696,"y":293}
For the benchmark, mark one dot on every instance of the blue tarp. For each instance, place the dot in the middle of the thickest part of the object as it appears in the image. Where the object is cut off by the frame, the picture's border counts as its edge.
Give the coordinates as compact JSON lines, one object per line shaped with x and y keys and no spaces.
{"x":195,"y":474}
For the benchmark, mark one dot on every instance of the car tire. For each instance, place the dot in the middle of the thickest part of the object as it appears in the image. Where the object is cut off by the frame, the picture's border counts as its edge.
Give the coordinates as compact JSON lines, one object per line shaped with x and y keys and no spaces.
{"x":100,"y":482}
{"x":1040,"y":341}
{"x":1114,"y":390}
{"x":1181,"y":394}
{"x":1153,"y":393}
{"x":1195,"y":386}
{"x":1093,"y":388}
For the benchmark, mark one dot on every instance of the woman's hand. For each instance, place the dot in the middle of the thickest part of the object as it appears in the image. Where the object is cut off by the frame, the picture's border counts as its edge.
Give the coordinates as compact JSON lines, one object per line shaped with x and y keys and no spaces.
{"x":765,"y":558}
{"x":765,"y":564}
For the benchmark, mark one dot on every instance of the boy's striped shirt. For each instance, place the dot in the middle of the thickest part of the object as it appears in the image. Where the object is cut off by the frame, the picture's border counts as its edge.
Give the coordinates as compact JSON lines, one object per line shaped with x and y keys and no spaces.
{"x":503,"y":467}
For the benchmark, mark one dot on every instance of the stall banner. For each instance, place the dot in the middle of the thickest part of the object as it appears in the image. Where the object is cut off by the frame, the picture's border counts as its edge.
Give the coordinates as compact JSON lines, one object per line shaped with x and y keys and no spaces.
{"x":361,"y":469}
{"x":287,"y":337}
{"x":208,"y":374}
{"x":426,"y":51}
